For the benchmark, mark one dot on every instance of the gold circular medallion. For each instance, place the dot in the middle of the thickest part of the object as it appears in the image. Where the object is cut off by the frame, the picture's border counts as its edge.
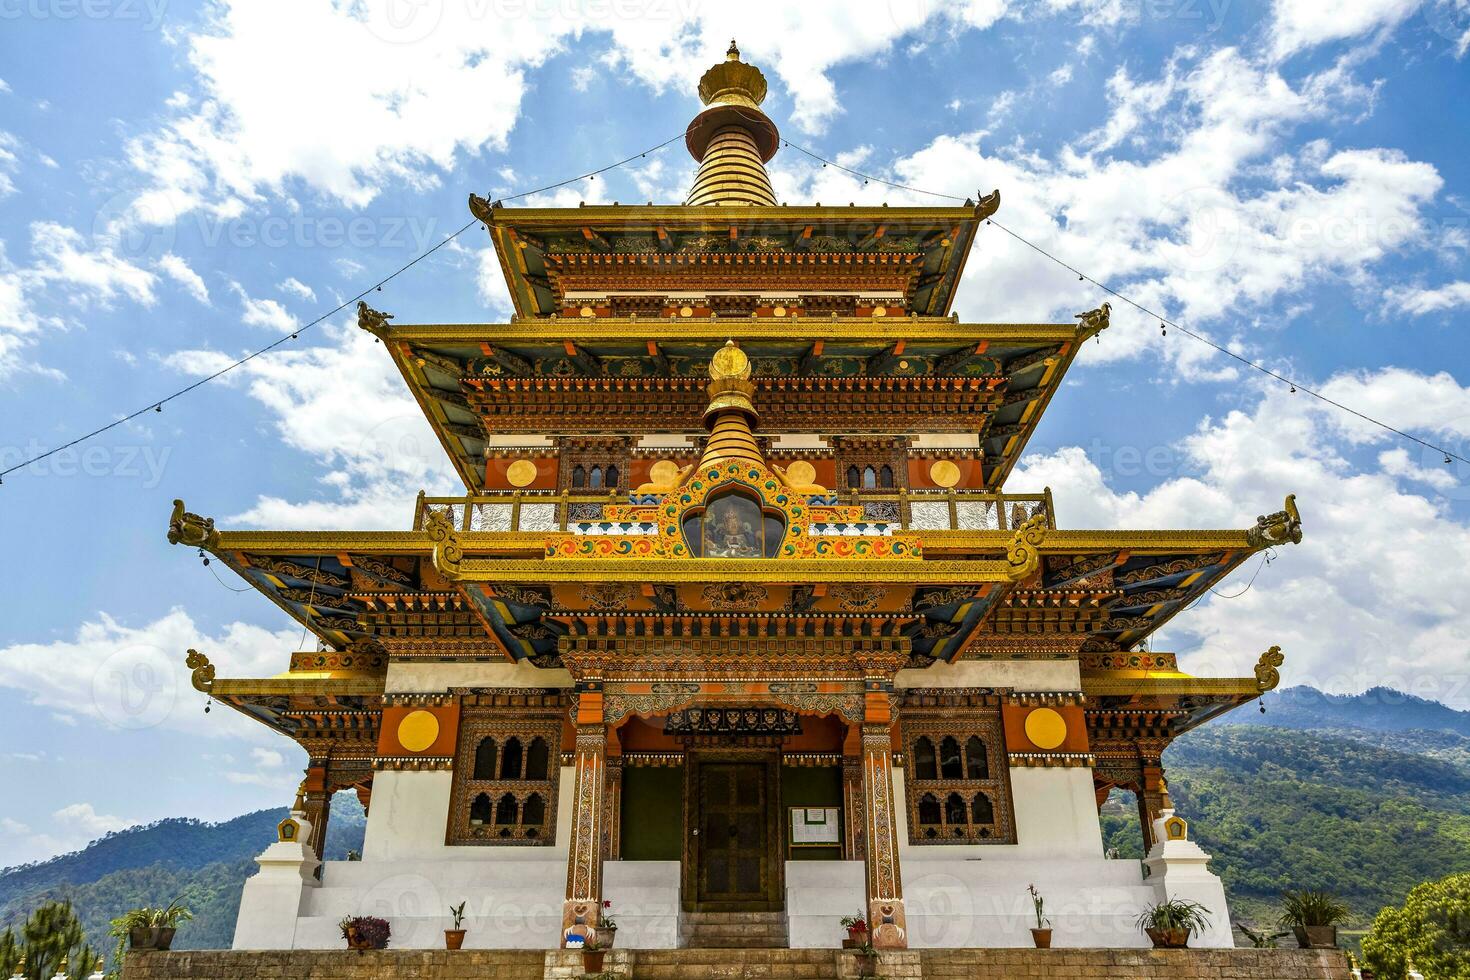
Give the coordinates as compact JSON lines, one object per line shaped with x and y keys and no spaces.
{"x":903,"y":365}
{"x":778,"y":311}
{"x":1046,"y":728}
{"x":663,"y":473}
{"x":729,"y":362}
{"x":880,"y":311}
{"x":588,"y":311}
{"x":944,"y":473}
{"x":686,"y":311}
{"x":801,"y":473}
{"x":418,"y":730}
{"x":521,"y":473}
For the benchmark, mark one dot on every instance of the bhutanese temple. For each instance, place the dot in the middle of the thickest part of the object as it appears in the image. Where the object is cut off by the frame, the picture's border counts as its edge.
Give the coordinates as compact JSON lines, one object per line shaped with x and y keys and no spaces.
{"x":738,"y":624}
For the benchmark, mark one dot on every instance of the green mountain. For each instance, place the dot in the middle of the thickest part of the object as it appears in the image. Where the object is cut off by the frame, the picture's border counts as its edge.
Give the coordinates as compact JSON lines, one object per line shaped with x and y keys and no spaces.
{"x":1365,"y":796}
{"x":201,"y":864}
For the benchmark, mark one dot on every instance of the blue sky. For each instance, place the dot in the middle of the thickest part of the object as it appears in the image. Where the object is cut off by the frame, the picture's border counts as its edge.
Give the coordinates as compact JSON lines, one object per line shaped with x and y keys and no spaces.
{"x":182,"y":183}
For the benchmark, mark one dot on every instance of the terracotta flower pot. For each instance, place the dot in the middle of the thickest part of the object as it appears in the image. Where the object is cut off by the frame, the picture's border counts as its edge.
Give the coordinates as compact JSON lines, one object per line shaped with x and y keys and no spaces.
{"x":453,"y":938}
{"x":592,"y":960}
{"x":1042,"y":938}
{"x":1316,"y":937}
{"x":1169,"y":938}
{"x":867,"y":964}
{"x":607,"y":935}
{"x":357,"y":941}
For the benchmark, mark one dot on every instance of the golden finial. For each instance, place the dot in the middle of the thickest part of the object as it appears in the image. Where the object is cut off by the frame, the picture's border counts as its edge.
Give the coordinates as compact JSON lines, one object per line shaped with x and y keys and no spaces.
{"x":300,"y":804}
{"x":730,"y":412}
{"x":734,"y":53}
{"x":732,"y":139}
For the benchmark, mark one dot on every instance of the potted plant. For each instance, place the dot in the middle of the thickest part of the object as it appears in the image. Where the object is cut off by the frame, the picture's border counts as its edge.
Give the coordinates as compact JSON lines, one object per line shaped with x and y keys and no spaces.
{"x":1041,"y":934}
{"x":607,"y":929}
{"x":365,"y":932}
{"x":857,"y":930}
{"x":454,"y":938}
{"x":1260,"y":939}
{"x":1170,"y":923}
{"x":150,"y":928}
{"x":1313,"y":917}
{"x":867,"y":959}
{"x":593,"y":953}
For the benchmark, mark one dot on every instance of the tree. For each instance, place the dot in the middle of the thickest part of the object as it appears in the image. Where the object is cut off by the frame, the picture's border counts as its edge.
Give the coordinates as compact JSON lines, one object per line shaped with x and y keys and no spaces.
{"x":1433,"y":927}
{"x":10,"y":953}
{"x":51,"y":934}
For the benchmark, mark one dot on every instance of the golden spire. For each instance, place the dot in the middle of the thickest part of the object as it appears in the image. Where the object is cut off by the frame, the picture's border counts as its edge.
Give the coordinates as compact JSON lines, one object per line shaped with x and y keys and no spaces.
{"x":730,"y":412}
{"x":732,"y":139}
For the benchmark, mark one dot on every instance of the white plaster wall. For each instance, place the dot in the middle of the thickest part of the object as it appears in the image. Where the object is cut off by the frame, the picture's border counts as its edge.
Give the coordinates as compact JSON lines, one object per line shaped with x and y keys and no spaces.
{"x":975,"y":894}
{"x":416,"y":677}
{"x":1019,"y":675}
{"x":645,"y":902}
{"x":818,"y":895}
{"x":409,"y":818}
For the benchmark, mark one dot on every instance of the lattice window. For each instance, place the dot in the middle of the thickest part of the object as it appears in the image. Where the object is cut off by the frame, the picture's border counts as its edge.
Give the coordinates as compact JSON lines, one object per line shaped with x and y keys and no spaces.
{"x":956,"y":779}
{"x":505,"y":780}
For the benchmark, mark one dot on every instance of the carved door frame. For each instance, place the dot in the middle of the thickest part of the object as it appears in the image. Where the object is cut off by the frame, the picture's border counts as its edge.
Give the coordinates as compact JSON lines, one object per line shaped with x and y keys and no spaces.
{"x":775,"y":878}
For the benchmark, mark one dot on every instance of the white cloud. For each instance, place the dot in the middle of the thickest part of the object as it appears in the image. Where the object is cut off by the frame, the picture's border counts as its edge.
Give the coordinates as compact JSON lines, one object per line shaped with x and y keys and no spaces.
{"x":1060,"y":77}
{"x":9,"y":161}
{"x":63,"y":256}
{"x":345,"y":405}
{"x":1200,"y":221}
{"x":4,"y":86}
{"x":347,"y":133}
{"x":178,"y":270}
{"x":1350,"y":605}
{"x":1300,"y":24}
{"x":130,"y":678}
{"x":1417,"y":301}
{"x":266,"y":313}
{"x":85,"y":818}
{"x":296,"y":288}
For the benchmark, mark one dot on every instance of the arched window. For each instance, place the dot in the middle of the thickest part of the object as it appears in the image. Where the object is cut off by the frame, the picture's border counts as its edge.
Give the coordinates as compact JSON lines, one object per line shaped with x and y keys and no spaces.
{"x":537,"y":761}
{"x":928,"y":808}
{"x":981,"y":810}
{"x":505,"y":810}
{"x":925,"y":766}
{"x":954,"y":810}
{"x":870,"y":478}
{"x":950,"y":764}
{"x":480,"y":810}
{"x":612,"y":477}
{"x":534,"y":812}
{"x":854,"y":478}
{"x":485,"y":759}
{"x":885,"y":477}
{"x":579,"y":476}
{"x":510,"y":761}
{"x":595,"y":481}
{"x":977,"y":764}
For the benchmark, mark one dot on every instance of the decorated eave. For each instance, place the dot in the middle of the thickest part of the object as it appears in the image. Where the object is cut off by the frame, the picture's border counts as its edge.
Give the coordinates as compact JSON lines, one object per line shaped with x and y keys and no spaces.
{"x":1142,"y":693}
{"x":642,"y":376}
{"x":516,"y":595}
{"x":551,"y":254}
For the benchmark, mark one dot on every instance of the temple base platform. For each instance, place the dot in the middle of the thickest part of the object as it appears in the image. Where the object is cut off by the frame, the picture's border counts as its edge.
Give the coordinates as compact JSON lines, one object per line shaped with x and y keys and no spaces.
{"x":736,"y":964}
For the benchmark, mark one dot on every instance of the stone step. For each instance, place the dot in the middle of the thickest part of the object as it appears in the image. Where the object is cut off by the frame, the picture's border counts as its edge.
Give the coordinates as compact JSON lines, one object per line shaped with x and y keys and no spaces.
{"x":733,"y":930}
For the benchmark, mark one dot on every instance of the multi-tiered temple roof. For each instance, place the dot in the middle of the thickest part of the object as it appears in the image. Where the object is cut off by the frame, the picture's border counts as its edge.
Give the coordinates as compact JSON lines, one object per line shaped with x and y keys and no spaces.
{"x":874,"y":429}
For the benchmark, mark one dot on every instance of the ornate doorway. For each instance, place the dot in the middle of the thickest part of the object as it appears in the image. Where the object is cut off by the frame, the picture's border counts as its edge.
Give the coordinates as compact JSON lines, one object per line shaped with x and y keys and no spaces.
{"x":732,"y":857}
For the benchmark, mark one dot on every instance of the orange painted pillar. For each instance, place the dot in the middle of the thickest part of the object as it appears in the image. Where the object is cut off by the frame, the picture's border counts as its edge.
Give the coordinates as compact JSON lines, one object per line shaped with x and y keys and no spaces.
{"x":589,"y":796}
{"x":886,"y":921}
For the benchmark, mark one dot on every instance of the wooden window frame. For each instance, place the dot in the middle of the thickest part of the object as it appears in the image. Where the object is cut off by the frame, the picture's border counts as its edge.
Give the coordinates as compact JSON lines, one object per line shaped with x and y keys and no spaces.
{"x":480,"y":723}
{"x":957,"y":714}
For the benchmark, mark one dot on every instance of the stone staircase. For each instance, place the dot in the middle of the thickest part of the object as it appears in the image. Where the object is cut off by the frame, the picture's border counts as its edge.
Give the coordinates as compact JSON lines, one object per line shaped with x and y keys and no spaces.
{"x":732,"y":930}
{"x":737,"y":964}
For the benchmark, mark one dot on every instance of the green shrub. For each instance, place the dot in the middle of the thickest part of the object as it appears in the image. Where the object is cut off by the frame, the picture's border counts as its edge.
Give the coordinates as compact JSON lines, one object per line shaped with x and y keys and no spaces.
{"x":1433,"y":927}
